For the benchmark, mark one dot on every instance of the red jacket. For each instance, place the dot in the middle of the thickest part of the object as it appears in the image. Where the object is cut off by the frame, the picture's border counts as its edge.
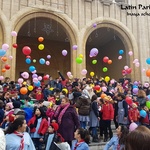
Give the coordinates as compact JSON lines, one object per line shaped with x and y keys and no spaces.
{"x":43,"y":125}
{"x":107,"y":111}
{"x":134,"y":114}
{"x":145,"y":121}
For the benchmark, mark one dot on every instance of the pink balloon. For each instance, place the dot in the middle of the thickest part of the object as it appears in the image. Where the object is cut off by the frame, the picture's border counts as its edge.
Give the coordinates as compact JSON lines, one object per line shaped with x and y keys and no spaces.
{"x":47,"y":63}
{"x":14,"y":33}
{"x":35,"y":80}
{"x":74,"y":47}
{"x":130,"y":53}
{"x":47,"y":75}
{"x":40,"y":78}
{"x":34,"y":71}
{"x":1,"y":78}
{"x":132,"y":126}
{"x":20,"y":80}
{"x":10,"y":57}
{"x":68,"y":73}
{"x":143,"y":70}
{"x":112,"y":81}
{"x":64,"y":52}
{"x":25,"y":75}
{"x":126,"y":67}
{"x":119,"y":57}
{"x":146,"y":85}
{"x":137,"y":64}
{"x":104,"y":89}
{"x":5,"y":46}
{"x":135,"y":61}
{"x":84,"y":72}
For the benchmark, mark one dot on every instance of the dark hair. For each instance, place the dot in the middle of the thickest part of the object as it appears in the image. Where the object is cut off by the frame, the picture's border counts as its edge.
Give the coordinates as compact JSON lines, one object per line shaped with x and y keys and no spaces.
{"x":15,"y":125}
{"x":94,"y":97}
{"x":84,"y":134}
{"x":1,"y":104}
{"x":43,"y":114}
{"x":121,"y":95}
{"x":20,"y":113}
{"x":124,"y":131}
{"x":138,"y":139}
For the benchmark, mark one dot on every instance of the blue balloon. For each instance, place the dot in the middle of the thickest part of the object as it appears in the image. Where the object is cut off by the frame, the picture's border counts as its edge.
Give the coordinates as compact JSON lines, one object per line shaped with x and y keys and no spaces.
{"x":37,"y":84}
{"x":42,"y":61}
{"x":2,"y":52}
{"x":28,"y":60}
{"x":148,"y":61}
{"x":31,"y":68}
{"x":121,"y":52}
{"x":148,"y":96}
{"x":135,"y":86}
{"x":143,"y":113}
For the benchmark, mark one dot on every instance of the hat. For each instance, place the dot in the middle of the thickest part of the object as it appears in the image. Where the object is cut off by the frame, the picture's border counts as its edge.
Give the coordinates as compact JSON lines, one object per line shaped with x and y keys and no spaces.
{"x":55,"y":126}
{"x":10,"y":105}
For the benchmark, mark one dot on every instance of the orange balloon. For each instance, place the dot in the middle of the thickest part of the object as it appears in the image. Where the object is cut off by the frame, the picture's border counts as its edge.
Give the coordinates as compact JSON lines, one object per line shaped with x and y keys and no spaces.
{"x":109,"y":61}
{"x":23,"y":90}
{"x":148,"y":73}
{"x":103,"y":95}
{"x":3,"y":70}
{"x":4,"y":58}
{"x":40,"y":39}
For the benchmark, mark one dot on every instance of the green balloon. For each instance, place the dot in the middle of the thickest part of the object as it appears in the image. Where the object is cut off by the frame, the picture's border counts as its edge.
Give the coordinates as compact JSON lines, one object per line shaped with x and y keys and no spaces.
{"x":34,"y":60}
{"x":94,"y":62}
{"x":105,"y":69}
{"x":79,"y":60}
{"x":148,"y":104}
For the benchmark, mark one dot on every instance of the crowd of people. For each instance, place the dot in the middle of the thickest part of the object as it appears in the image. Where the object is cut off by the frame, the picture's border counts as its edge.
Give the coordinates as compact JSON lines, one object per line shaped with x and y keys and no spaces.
{"x":65,"y":113}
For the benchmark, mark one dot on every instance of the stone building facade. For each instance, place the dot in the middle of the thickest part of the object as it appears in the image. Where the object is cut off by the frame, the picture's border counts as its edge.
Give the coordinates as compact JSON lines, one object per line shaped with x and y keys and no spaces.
{"x":119,"y":24}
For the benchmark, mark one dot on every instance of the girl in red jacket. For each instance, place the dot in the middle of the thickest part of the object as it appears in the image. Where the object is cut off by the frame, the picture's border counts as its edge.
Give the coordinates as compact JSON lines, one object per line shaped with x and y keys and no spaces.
{"x":38,"y":125}
{"x":107,"y":116}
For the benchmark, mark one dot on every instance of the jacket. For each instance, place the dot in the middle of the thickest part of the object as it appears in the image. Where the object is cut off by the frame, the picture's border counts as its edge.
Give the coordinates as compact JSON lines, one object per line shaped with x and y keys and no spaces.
{"x":134,"y":115}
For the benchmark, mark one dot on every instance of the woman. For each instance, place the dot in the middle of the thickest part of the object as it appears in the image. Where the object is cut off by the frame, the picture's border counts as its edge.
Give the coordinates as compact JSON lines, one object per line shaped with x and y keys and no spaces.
{"x":67,"y":119}
{"x":17,"y":138}
{"x":138,"y":139}
{"x":82,"y":139}
{"x":118,"y":141}
{"x":38,"y":125}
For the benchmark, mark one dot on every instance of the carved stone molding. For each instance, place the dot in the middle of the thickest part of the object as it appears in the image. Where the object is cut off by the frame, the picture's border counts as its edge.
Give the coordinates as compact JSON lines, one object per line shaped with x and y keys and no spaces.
{"x":107,"y":2}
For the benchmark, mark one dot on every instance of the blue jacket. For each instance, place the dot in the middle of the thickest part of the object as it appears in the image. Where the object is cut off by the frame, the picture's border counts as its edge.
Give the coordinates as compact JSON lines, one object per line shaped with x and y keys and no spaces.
{"x":82,"y":146}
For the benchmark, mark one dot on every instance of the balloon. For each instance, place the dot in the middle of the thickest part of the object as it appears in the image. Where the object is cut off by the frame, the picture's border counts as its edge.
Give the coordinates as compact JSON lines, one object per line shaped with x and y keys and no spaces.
{"x":97,"y":87}
{"x":135,"y":90}
{"x":3,"y":70}
{"x":23,"y":90}
{"x":64,"y":52}
{"x":148,"y":104}
{"x":104,"y":89}
{"x":112,"y":81}
{"x":32,"y":68}
{"x":70,"y":77}
{"x":129,"y":100}
{"x":20,"y":80}
{"x":93,"y":52}
{"x":143,"y":113}
{"x":94,"y":62}
{"x":42,"y":61}
{"x":25,"y":75}
{"x":35,"y":80}
{"x":148,"y":61}
{"x":137,"y":64}
{"x":92,"y":74}
{"x":2,"y":52}
{"x":38,"y":84}
{"x":5,"y":46}
{"x":34,"y":76}
{"x":1,"y":78}
{"x":28,"y":60}
{"x":126,"y":67}
{"x":135,"y":83}
{"x":135,"y":61}
{"x":34,"y":60}
{"x":105,"y":59}
{"x":81,"y":56}
{"x":105,"y":69}
{"x":47,"y":63}
{"x":39,"y":78}
{"x":94,"y":25}
{"x":26,"y":50}
{"x":146,"y":85}
{"x":45,"y":78}
{"x":130,"y":53}
{"x":121,"y":52}
{"x":129,"y":70}
{"x":74,"y":47}
{"x":133,"y":126}
{"x":48,"y":56}
{"x":79,"y":60}
{"x":13,"y":33}
{"x":84,"y":72}
{"x":119,"y":57}
{"x":10,"y":57}
{"x":148,"y":96}
{"x":15,"y":45}
{"x":66,"y":91}
{"x":30,"y":87}
{"x":124,"y":72}
{"x":109,"y":62}
{"x":107,"y":78}
{"x":28,"y":56}
{"x":7,"y":67}
{"x":4,"y":58}
{"x":68,"y":73}
{"x":34,"y":71}
{"x":148,"y":73}
{"x":103,"y":95}
{"x":40,"y":46}
{"x":40,"y":39}
{"x":143,"y":70}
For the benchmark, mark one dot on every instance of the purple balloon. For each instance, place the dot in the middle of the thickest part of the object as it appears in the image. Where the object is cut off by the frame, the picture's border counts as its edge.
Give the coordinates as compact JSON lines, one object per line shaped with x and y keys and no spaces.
{"x":48,"y":56}
{"x":135,"y":90}
{"x":136,"y":83}
{"x":93,"y":52}
{"x":34,"y":76}
{"x":74,"y":47}
{"x":64,"y":52}
{"x":94,"y":25}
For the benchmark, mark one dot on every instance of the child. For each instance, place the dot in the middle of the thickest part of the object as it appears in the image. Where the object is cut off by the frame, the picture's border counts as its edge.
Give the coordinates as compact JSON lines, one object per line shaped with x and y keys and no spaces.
{"x":52,"y":137}
{"x":9,"y":109}
{"x":134,"y":114}
{"x":51,"y":98}
{"x":38,"y":94}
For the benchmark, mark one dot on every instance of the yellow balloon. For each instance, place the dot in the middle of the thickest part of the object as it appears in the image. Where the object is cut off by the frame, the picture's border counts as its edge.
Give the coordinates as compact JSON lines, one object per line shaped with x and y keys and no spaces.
{"x":30,"y":87}
{"x":24,"y":83}
{"x":98,"y":91}
{"x":50,"y":104}
{"x":65,"y":90}
{"x":71,"y":76}
{"x":81,"y":56}
{"x":51,"y":89}
{"x":92,"y":74}
{"x":107,"y":78}
{"x":41,"y":46}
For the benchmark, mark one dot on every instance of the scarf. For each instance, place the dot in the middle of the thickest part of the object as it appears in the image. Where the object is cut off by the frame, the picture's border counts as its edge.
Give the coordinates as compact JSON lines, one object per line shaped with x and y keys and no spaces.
{"x":78,"y":143}
{"x":22,"y":139}
{"x":36,"y":120}
{"x":60,"y":112}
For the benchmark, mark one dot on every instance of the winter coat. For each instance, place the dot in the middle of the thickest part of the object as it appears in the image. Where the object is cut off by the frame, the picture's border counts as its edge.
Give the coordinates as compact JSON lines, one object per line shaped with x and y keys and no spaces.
{"x":134,"y":114}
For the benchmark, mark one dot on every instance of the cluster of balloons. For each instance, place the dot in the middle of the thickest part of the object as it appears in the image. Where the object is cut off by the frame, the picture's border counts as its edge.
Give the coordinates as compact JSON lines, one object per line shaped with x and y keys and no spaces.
{"x":107,"y":60}
{"x":126,"y":70}
{"x":136,"y":62}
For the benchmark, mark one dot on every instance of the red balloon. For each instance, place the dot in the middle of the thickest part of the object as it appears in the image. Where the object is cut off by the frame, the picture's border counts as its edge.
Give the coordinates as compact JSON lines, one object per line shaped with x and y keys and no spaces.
{"x":97,"y":87}
{"x":124,"y":72}
{"x":129,"y":100}
{"x":129,"y":70}
{"x":45,"y":78}
{"x":26,"y":50}
{"x":105,"y":59}
{"x":7,"y":67}
{"x":15,"y":45}
{"x":28,"y":57}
